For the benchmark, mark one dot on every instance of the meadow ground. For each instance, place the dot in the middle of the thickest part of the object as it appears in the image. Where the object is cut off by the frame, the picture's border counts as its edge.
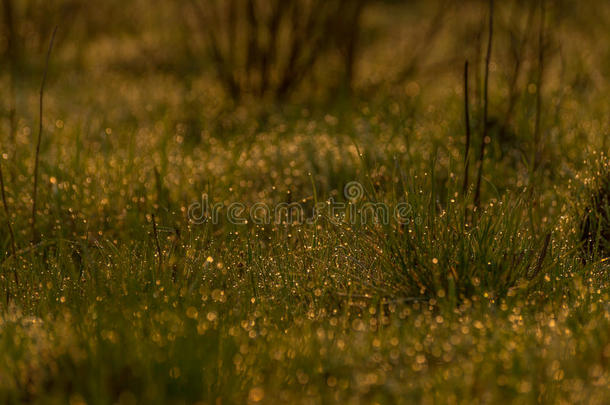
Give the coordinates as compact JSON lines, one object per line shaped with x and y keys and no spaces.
{"x":348,"y":260}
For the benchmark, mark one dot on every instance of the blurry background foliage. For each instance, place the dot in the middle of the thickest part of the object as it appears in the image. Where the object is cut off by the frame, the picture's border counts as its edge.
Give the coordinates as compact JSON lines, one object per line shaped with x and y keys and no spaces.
{"x":181,"y":89}
{"x":307,"y":48}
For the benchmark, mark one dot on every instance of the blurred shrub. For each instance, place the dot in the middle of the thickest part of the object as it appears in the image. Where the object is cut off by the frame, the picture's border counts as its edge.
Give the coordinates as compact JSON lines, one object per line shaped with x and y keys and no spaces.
{"x":27,"y":25}
{"x":271,"y":47}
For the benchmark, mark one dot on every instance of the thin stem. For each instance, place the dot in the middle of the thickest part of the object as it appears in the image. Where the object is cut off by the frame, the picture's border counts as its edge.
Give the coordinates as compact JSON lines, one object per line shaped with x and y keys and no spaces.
{"x":537,"y":140}
{"x":484,"y":140}
{"x":12,"y":53}
{"x":536,"y":152}
{"x":8,"y":222}
{"x":157,"y":244}
{"x":467,"y":124}
{"x":518,"y":54}
{"x":37,"y":155}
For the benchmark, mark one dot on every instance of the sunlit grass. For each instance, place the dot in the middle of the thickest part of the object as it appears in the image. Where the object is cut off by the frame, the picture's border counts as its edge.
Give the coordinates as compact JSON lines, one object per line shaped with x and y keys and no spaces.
{"x":508,"y":303}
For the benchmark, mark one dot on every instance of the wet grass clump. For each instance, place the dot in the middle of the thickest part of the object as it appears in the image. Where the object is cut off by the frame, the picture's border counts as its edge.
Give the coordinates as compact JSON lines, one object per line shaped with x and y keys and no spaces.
{"x":595,"y":224}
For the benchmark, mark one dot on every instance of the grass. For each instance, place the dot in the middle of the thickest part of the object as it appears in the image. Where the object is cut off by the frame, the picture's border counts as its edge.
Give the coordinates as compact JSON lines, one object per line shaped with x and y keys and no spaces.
{"x":125,"y":299}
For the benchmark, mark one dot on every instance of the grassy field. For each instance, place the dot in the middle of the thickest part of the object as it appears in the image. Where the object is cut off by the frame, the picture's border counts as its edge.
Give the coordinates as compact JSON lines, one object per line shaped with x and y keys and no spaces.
{"x":342,"y":242}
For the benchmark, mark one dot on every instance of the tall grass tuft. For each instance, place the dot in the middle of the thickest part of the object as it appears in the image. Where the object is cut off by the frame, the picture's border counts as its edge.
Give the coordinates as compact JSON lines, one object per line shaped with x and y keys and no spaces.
{"x":433,"y":251}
